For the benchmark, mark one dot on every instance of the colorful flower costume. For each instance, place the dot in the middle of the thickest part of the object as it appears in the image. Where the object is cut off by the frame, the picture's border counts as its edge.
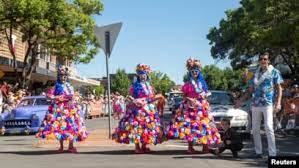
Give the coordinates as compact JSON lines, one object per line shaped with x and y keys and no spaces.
{"x":63,"y":120}
{"x":192,"y":121}
{"x":119,"y":105}
{"x":141,"y":123}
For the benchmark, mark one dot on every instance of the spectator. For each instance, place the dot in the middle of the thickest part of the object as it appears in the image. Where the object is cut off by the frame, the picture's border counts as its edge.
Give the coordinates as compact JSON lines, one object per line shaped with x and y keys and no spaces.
{"x":1,"y":102}
{"x":295,"y":91}
{"x":5,"y":89}
{"x":10,"y":102}
{"x":266,"y":89}
{"x":230,"y":139}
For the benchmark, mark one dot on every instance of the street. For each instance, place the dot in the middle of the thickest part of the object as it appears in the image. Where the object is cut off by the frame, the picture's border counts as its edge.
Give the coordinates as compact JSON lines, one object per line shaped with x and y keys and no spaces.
{"x":22,"y":151}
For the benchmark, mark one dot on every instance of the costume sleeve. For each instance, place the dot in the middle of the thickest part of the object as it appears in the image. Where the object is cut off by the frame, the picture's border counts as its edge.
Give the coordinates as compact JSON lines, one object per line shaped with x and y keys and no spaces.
{"x":131,"y":90}
{"x":186,"y":88}
{"x":51,"y":91}
{"x":72,"y":90}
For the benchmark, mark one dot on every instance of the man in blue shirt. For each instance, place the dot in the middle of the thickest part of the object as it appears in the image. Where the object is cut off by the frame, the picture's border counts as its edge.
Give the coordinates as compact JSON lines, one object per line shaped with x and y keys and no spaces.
{"x":266,"y":92}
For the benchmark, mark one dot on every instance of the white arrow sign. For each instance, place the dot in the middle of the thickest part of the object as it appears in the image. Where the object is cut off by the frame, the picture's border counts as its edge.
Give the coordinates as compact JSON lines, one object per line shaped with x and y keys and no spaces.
{"x":113,"y":30}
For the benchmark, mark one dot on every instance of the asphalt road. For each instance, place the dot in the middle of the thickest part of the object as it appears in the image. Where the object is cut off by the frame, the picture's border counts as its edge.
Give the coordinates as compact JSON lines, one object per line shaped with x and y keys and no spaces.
{"x":19,"y":152}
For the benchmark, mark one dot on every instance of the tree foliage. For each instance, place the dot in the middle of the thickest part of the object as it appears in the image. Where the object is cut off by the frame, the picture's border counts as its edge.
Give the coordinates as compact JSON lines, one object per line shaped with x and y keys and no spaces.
{"x":161,"y":82}
{"x":218,"y":79}
{"x":120,"y":82}
{"x":64,"y":27}
{"x":255,"y":27}
{"x":97,"y":90}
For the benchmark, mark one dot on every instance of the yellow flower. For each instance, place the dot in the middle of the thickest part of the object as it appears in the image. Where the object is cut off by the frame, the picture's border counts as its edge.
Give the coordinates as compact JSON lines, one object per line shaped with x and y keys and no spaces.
{"x":140,"y":131}
{"x":51,"y":136}
{"x":73,"y":111}
{"x":182,"y":135}
{"x":204,"y":140}
{"x":187,"y":131}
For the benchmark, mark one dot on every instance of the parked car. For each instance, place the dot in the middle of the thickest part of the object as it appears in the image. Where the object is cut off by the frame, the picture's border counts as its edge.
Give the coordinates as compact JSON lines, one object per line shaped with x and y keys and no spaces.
{"x":27,"y":117}
{"x":221,"y":104}
{"x":175,"y":104}
{"x":171,"y":96}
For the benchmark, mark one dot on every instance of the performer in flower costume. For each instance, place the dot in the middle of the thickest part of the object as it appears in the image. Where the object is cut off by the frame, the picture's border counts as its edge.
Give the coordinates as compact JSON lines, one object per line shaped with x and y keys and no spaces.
{"x":141,"y":124}
{"x":118,"y":105}
{"x":192,"y":121}
{"x":63,"y":121}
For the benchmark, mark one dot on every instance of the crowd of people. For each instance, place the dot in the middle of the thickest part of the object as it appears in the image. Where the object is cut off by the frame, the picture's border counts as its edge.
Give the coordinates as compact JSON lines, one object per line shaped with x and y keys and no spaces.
{"x":10,"y":96}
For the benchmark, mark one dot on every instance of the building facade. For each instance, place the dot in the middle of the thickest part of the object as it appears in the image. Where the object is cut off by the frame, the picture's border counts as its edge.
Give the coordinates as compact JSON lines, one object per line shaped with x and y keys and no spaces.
{"x":45,"y":70}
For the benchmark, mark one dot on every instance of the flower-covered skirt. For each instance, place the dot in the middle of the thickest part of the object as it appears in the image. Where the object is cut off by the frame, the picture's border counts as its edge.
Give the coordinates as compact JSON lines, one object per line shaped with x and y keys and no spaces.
{"x":139,"y":125}
{"x":194,"y":125}
{"x":63,"y":122}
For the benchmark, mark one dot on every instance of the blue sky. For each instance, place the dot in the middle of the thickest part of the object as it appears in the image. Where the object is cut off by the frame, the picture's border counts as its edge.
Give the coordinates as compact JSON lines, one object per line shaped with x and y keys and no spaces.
{"x":160,"y":33}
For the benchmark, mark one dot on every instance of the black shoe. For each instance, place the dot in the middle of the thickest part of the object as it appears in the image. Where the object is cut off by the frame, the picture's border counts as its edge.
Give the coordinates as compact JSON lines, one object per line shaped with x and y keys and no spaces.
{"x":257,"y":156}
{"x":235,"y":155}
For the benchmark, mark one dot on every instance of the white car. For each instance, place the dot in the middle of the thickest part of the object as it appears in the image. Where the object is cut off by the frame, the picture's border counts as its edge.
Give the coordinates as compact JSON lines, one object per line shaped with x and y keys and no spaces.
{"x":221,"y":106}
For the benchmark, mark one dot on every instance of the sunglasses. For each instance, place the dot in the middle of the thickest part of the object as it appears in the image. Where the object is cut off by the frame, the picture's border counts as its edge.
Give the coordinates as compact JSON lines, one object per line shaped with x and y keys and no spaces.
{"x":263,"y":59}
{"x":194,"y":71}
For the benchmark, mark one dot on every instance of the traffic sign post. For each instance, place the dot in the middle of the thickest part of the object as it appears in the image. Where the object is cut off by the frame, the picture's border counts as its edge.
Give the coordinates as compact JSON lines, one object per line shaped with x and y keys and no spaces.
{"x":109,"y":33}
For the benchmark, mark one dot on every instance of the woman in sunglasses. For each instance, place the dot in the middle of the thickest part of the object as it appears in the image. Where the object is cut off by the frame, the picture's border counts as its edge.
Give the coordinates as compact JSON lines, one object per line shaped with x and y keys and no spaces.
{"x":192,"y":121}
{"x":63,"y":120}
{"x":141,"y":124}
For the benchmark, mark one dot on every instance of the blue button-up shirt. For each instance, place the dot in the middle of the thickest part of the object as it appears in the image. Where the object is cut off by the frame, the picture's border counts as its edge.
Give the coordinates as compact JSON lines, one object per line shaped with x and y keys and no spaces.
{"x":264,"y":94}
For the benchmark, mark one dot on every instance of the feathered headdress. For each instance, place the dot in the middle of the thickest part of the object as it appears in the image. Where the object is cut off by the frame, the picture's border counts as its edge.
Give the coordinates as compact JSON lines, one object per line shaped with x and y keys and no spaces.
{"x":193,"y":64}
{"x":143,"y":69}
{"x":62,"y":70}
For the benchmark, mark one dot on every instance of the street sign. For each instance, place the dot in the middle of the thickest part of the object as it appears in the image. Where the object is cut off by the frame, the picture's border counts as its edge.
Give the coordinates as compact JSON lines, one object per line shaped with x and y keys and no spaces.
{"x":103,"y":32}
{"x":107,"y":36}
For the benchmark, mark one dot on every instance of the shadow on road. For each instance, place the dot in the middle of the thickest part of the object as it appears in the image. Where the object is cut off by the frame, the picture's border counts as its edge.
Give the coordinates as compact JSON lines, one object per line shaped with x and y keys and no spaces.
{"x":128,"y":152}
{"x":42,"y":152}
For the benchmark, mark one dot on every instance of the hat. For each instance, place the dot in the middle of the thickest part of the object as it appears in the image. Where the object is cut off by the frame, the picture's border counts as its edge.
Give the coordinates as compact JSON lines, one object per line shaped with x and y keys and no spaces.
{"x":193,"y":64}
{"x":143,"y":69}
{"x":62,"y":70}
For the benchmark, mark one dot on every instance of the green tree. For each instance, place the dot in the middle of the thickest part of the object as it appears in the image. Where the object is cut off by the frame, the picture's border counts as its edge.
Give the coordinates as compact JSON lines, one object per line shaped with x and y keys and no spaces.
{"x":63,"y":28}
{"x":161,"y":82}
{"x":255,"y":27}
{"x":120,"y":82}
{"x":214,"y":77}
{"x":97,"y":90}
{"x":218,"y":79}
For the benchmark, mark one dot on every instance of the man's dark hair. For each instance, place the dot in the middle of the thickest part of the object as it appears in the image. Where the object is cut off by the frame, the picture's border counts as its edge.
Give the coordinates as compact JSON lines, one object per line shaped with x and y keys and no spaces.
{"x":265,"y":53}
{"x":226,"y":120}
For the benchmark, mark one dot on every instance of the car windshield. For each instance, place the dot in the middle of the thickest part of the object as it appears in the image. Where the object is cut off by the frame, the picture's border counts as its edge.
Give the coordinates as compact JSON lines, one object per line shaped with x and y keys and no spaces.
{"x":175,"y":94}
{"x":178,"y":99}
{"x":222,"y":98}
{"x":42,"y":101}
{"x":26,"y":102}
